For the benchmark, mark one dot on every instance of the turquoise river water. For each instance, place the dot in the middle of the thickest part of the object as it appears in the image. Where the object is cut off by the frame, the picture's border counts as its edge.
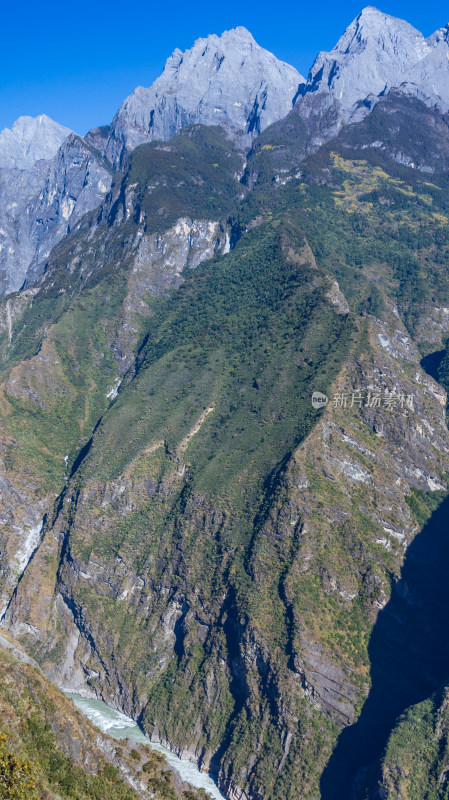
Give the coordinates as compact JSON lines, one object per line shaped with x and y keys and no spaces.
{"x":118,"y":725}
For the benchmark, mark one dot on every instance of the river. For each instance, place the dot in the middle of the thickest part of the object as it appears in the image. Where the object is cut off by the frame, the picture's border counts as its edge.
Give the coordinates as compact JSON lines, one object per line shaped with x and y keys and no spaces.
{"x":118,"y":725}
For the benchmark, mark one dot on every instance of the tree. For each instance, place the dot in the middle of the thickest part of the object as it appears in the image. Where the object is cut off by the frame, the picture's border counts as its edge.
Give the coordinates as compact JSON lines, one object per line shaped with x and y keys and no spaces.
{"x":16,"y":775}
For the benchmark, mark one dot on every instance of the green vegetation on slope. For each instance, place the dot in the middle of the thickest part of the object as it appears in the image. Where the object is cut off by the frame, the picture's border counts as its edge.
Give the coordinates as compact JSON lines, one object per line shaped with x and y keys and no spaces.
{"x":16,"y":775}
{"x":415,"y":764}
{"x":50,"y":751}
{"x":195,"y":175}
{"x":181,"y":499}
{"x":251,"y":335}
{"x":379,"y":227}
{"x":31,"y":711}
{"x":73,"y":327}
{"x":231,"y":361}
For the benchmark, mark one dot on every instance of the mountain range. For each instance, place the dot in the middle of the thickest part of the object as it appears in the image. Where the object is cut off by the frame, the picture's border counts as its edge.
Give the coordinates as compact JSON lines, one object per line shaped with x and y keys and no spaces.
{"x":49,"y":177}
{"x":259,"y":580}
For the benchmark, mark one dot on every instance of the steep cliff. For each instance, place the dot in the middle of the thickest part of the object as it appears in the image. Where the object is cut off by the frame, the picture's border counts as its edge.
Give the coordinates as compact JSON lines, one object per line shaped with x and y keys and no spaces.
{"x":41,"y":200}
{"x":376,"y":55}
{"x":49,"y":177}
{"x":50,"y":750}
{"x":224,"y":457}
{"x":68,"y":344}
{"x":219,"y":552}
{"x":226,"y":80}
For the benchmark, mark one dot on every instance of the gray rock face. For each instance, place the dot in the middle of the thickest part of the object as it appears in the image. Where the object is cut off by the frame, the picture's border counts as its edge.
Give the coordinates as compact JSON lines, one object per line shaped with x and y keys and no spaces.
{"x":49,"y":177}
{"x":429,"y":79}
{"x":29,"y":140}
{"x":227,"y":80}
{"x":39,"y":203}
{"x":75,"y":183}
{"x":371,"y":56}
{"x":17,"y":189}
{"x":377,"y":53}
{"x":157,"y":265}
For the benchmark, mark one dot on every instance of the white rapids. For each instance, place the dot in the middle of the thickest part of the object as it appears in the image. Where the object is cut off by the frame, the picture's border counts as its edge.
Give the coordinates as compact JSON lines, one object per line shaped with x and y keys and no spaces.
{"x":118,"y":725}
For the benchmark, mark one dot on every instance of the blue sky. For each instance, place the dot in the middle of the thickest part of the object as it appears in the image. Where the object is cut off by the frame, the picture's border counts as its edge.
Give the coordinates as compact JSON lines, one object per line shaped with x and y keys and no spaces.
{"x":76,"y":62}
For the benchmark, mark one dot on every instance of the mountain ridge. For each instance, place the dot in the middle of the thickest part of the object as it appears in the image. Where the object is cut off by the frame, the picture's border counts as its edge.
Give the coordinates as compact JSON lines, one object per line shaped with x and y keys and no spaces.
{"x":30,"y":139}
{"x":227,"y":80}
{"x":182,"y":531}
{"x":215,"y":547}
{"x":376,"y":54}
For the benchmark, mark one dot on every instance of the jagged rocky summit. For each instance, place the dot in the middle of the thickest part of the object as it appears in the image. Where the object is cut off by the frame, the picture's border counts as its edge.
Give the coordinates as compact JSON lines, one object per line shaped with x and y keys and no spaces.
{"x":224,"y":80}
{"x":368,"y":59}
{"x":179,"y":531}
{"x":29,"y":140}
{"x":429,"y":79}
{"x":377,"y":53}
{"x":376,"y":56}
{"x":49,"y":177}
